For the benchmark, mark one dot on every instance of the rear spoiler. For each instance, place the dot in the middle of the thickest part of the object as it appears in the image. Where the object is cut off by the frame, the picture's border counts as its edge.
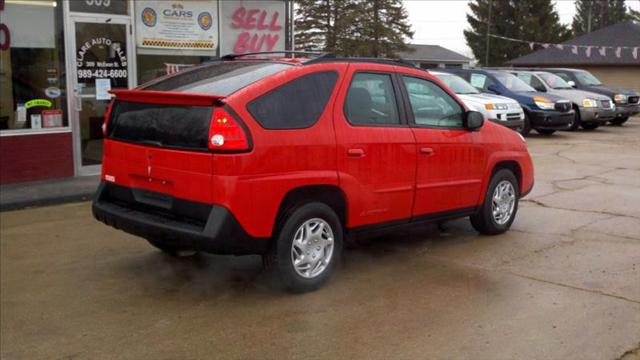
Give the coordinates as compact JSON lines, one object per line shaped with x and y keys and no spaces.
{"x":166,"y":97}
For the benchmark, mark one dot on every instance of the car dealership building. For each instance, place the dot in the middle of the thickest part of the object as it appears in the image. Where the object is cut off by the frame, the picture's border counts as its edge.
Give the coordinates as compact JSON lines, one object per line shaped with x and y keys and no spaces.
{"x":60,"y":58}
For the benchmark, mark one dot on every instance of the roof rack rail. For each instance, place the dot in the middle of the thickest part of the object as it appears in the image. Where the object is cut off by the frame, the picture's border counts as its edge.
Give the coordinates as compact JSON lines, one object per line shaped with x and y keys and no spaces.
{"x":284,"y":52}
{"x":400,"y":62}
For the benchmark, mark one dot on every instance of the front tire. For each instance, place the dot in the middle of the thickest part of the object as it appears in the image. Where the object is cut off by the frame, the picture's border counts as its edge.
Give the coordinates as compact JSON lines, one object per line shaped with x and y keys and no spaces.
{"x":306,"y":247}
{"x":545,"y":131}
{"x":590,"y":126}
{"x":619,"y":121}
{"x":526,"y":127}
{"x":500,"y":204}
{"x":577,"y":121}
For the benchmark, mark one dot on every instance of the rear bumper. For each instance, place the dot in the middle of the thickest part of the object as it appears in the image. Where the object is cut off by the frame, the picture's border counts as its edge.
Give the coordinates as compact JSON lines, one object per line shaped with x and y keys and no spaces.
{"x":198,"y":226}
{"x":550,"y":119}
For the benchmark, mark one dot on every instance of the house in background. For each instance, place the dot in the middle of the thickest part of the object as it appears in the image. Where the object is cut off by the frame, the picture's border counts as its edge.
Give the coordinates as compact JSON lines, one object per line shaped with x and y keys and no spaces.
{"x":434,"y":56}
{"x":623,"y":71}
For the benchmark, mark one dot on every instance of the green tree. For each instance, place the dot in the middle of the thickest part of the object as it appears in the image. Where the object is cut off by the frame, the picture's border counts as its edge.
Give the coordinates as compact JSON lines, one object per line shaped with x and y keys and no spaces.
{"x":592,"y":15}
{"x":377,"y":28}
{"x":381,"y":29}
{"x":531,"y":20}
{"x":322,"y":25}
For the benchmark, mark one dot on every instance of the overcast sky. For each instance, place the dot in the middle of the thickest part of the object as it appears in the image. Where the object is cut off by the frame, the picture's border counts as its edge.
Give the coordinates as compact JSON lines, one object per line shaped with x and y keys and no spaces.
{"x":442,"y":22}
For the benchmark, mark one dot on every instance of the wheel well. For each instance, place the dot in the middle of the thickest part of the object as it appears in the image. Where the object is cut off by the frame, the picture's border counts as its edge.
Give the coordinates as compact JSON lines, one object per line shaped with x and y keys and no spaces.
{"x":512,"y":166}
{"x":330,"y":195}
{"x":576,"y":109}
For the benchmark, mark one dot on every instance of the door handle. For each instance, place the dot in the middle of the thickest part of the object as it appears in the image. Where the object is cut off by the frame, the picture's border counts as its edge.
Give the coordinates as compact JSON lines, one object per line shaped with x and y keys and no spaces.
{"x":356,"y":152}
{"x":427,"y":151}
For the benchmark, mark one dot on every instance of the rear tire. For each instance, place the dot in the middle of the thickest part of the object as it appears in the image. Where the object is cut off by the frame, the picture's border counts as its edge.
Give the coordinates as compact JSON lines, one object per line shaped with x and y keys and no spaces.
{"x":500,"y":206}
{"x":306,"y":247}
{"x":177,"y":251}
{"x":619,"y":121}
{"x":590,"y":126}
{"x":545,"y":131}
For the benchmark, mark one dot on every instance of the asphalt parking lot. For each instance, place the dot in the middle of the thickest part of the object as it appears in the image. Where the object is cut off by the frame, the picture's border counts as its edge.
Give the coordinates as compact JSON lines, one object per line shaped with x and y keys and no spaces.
{"x":563,"y":283}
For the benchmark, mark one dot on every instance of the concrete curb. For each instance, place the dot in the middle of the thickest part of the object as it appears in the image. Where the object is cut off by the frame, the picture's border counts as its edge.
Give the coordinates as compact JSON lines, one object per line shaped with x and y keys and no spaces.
{"x":65,"y":199}
{"x":47,"y":193}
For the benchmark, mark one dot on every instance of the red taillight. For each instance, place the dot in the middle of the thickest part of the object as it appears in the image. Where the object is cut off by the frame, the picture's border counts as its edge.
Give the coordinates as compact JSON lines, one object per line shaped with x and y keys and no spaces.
{"x":225,"y":132}
{"x":106,"y":119}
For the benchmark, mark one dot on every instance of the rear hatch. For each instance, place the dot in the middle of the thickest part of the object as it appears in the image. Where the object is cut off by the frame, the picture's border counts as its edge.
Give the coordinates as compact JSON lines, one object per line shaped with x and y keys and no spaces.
{"x":160,"y":147}
{"x":156,"y":137}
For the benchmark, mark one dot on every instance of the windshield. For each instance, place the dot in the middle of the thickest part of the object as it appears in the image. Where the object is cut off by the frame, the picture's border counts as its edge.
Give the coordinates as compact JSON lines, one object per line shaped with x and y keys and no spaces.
{"x":457,"y":84}
{"x":554,"y":81}
{"x":585,"y":78}
{"x":512,"y":82}
{"x":218,"y":78}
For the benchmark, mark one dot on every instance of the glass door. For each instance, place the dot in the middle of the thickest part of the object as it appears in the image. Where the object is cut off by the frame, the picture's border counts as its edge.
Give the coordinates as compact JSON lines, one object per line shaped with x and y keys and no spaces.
{"x":101,"y":48}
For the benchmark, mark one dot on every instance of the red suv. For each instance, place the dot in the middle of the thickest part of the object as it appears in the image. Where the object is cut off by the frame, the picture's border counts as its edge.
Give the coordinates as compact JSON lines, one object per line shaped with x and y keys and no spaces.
{"x":287,"y":157}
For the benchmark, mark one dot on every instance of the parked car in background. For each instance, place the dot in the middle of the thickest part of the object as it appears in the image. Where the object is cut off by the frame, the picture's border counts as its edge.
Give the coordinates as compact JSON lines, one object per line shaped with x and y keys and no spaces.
{"x":591,"y":109}
{"x":625,"y":100}
{"x":499,"y":109}
{"x":285,"y":157}
{"x":546,"y":113}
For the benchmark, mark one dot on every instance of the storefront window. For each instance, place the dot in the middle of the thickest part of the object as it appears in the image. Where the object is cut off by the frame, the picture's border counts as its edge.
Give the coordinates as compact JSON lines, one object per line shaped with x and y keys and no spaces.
{"x":32,"y":76}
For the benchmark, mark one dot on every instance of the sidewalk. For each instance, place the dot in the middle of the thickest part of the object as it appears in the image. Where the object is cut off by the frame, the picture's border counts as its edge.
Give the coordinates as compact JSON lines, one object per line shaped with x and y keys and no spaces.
{"x":51,"y":192}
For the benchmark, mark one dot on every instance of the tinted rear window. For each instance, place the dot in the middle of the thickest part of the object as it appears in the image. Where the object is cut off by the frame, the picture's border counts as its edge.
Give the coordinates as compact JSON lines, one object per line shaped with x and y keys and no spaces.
{"x":297,"y":104}
{"x":172,"y":126}
{"x":219,"y":78}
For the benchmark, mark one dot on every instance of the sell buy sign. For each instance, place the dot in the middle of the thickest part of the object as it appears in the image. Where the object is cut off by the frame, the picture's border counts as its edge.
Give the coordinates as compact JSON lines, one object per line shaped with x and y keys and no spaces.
{"x":252,"y":26}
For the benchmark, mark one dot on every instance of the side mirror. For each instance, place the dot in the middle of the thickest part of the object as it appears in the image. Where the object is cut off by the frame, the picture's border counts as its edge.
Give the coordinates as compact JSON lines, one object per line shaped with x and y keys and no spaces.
{"x":473,"y":120}
{"x":572,"y":83}
{"x":494,"y":89}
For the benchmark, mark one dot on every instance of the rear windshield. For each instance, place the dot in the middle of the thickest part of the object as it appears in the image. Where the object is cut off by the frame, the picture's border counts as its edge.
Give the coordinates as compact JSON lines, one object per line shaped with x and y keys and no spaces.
{"x":171,"y":126}
{"x":219,"y":78}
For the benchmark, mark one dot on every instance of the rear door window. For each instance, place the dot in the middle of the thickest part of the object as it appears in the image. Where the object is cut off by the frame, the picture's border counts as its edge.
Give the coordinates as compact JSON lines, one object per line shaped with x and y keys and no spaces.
{"x":371,"y":100}
{"x":297,"y":104}
{"x":218,"y":78}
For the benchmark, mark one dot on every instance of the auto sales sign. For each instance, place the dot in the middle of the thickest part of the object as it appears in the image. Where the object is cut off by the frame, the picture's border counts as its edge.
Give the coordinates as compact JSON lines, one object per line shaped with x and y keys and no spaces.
{"x":252,"y":26}
{"x":176,"y":24}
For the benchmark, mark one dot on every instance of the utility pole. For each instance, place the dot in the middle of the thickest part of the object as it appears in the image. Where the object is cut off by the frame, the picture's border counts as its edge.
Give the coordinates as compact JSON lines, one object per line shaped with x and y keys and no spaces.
{"x":589,"y":17}
{"x":486,"y":54}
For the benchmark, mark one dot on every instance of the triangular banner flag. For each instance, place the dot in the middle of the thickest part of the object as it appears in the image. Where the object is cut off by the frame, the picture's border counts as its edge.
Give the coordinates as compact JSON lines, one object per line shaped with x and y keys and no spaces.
{"x":531,"y":45}
{"x":603,"y":51}
{"x":559,"y":47}
{"x":575,"y":50}
{"x":545,"y":45}
{"x":635,"y":52}
{"x":618,"y":52}
{"x":588,"y":51}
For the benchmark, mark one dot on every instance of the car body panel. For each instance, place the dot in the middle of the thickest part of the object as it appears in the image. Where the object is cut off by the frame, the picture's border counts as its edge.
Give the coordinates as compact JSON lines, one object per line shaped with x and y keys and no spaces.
{"x":540,"y":118}
{"x":385,"y":174}
{"x":622,"y":109}
{"x":604,"y":111}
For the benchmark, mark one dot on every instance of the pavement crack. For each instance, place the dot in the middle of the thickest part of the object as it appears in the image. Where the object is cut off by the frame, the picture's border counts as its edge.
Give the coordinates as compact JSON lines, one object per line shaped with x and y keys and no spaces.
{"x":601,"y":212}
{"x":592,"y":291}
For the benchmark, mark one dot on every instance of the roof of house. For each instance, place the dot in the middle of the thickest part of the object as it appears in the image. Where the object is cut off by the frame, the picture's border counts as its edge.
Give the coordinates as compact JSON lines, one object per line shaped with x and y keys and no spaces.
{"x":622,"y":34}
{"x":433,"y":53}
